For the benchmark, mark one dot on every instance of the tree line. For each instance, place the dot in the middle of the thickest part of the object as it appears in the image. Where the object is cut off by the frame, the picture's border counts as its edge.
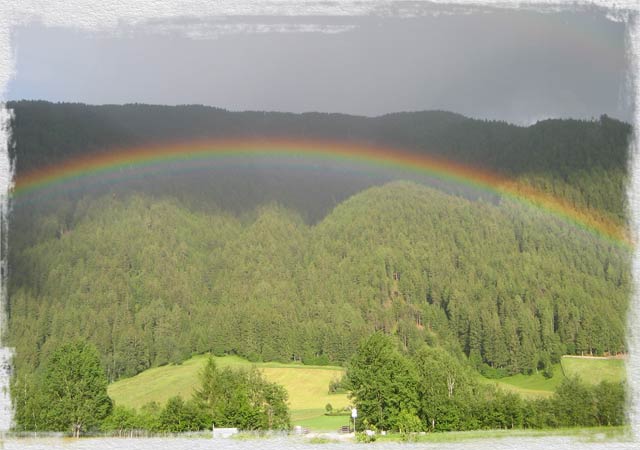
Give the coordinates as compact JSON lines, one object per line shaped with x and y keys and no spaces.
{"x":431,"y":390}
{"x":70,"y":395}
{"x":428,"y":389}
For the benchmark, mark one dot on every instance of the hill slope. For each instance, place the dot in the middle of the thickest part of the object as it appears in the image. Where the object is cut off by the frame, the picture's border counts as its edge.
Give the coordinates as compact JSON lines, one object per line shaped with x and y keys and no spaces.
{"x":151,"y":282}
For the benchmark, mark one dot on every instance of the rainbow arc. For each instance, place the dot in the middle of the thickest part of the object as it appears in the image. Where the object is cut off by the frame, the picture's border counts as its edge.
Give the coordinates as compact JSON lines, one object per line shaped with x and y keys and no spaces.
{"x":374,"y":157}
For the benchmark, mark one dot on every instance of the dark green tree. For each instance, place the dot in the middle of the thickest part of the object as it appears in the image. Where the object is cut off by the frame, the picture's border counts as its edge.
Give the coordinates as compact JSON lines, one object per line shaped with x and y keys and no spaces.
{"x":610,"y":403}
{"x":575,"y":404}
{"x":241,"y":398}
{"x":74,"y":388}
{"x":383,"y":383}
{"x":122,"y":420}
{"x":179,"y":416}
{"x":444,"y":388}
{"x":29,"y":403}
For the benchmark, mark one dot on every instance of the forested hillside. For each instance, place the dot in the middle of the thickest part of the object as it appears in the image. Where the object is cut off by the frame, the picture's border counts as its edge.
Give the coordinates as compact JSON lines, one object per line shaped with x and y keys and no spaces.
{"x":277,"y":264}
{"x":583,"y":162}
{"x":149,"y":281}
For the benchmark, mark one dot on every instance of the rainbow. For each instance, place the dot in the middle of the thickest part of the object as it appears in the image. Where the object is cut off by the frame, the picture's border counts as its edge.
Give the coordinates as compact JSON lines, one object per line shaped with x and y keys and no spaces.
{"x":196,"y":152}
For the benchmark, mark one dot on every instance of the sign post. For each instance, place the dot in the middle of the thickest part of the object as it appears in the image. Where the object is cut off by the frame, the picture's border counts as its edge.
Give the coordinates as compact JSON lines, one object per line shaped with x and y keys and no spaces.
{"x":354,"y":414}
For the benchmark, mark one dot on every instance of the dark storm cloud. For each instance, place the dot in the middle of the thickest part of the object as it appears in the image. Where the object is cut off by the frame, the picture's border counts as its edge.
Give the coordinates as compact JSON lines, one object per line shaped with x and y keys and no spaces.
{"x":513,"y":65}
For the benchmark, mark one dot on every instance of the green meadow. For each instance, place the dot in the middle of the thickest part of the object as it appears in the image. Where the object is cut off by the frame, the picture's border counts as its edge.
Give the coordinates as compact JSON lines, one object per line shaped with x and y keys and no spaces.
{"x":594,"y":370}
{"x":589,"y":369}
{"x":529,"y":386}
{"x":308,"y":385}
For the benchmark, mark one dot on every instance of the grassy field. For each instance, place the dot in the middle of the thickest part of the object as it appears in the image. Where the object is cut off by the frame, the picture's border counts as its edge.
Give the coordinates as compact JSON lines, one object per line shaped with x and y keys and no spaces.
{"x":307,"y":387}
{"x":594,"y":370}
{"x":320,"y":422}
{"x":529,"y":386}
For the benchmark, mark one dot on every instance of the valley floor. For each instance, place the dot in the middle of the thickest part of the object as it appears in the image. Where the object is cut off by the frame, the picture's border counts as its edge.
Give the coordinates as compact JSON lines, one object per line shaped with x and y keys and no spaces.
{"x":308,"y":385}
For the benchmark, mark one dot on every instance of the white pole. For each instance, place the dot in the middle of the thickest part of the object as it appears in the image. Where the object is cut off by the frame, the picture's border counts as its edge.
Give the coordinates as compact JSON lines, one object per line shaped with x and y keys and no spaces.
{"x":354,"y":414}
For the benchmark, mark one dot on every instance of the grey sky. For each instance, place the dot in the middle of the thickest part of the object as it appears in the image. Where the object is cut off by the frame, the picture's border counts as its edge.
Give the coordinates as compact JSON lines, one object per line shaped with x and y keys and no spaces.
{"x":518,"y":66}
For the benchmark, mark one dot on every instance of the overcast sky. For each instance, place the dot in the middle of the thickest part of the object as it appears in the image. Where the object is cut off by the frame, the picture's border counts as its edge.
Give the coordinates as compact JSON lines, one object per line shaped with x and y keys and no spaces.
{"x":511,"y":65}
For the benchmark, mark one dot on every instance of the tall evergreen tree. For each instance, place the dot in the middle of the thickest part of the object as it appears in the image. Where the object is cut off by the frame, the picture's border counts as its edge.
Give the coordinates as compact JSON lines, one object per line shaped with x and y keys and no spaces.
{"x":74,"y":388}
{"x":382,"y":383}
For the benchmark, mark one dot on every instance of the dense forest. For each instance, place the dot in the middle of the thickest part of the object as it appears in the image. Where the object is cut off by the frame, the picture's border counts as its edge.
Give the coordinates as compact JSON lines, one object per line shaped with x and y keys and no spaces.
{"x":150,"y":282}
{"x":278,"y":265}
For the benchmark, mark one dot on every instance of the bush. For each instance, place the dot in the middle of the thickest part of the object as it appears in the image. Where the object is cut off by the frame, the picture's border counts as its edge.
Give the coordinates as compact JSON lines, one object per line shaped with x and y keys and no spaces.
{"x":338,"y":386}
{"x":574,"y":404}
{"x":328,"y":408}
{"x":179,"y":416}
{"x":408,"y":423}
{"x":365,"y":437}
{"x":121,"y":420}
